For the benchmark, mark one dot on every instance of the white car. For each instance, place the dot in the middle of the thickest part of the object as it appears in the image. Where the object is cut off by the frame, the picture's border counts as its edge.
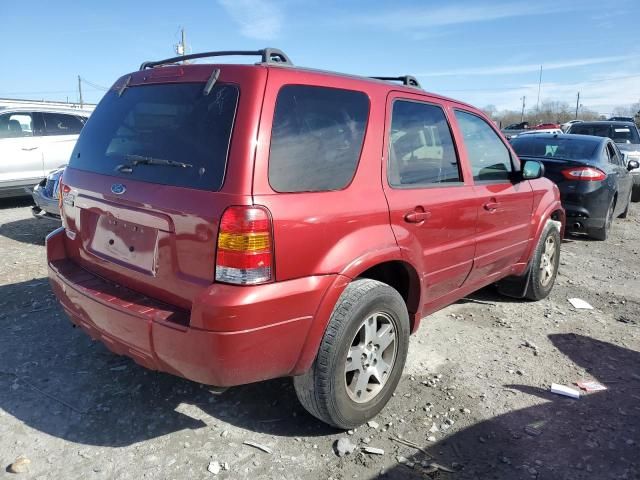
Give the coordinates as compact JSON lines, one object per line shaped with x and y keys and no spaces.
{"x":34,"y":142}
{"x":556,"y":131}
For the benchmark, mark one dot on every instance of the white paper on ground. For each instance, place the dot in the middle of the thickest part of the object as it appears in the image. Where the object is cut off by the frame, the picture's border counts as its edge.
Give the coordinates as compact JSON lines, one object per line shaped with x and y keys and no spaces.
{"x":579,"y":303}
{"x":566,"y":391}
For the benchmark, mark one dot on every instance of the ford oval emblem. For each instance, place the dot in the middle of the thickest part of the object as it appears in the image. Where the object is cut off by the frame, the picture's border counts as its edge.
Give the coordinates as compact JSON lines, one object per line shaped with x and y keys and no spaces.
{"x":118,"y":188}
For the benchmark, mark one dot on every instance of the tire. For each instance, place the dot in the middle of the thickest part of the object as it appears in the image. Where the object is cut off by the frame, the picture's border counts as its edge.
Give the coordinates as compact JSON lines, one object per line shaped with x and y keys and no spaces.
{"x":635,"y":193}
{"x":538,"y":281}
{"x":602,"y":233}
{"x":625,"y":214}
{"x":328,"y":391}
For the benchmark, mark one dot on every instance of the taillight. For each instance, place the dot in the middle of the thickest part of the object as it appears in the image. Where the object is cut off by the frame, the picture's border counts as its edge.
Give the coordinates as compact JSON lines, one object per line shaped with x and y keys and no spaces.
{"x":584,"y":173}
{"x":62,"y":190}
{"x":245,"y":246}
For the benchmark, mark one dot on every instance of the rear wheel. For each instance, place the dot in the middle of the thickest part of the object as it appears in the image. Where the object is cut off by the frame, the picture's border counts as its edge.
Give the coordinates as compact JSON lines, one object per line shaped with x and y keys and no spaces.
{"x":626,"y":210}
{"x":361,"y":357}
{"x":602,"y":233}
{"x":635,"y":193}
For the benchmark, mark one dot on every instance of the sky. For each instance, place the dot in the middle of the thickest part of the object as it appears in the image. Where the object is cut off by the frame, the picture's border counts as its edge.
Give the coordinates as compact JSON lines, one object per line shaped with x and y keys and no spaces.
{"x":482,"y":52}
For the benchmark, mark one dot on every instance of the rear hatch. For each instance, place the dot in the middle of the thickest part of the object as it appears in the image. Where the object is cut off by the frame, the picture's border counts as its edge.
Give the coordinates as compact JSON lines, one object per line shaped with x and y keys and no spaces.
{"x":152,"y":172}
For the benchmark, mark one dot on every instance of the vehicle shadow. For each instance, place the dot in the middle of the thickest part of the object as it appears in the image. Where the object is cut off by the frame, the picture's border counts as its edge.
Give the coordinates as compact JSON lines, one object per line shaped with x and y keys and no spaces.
{"x":53,"y":378}
{"x":16,"y":202}
{"x":596,"y":436}
{"x":29,"y":230}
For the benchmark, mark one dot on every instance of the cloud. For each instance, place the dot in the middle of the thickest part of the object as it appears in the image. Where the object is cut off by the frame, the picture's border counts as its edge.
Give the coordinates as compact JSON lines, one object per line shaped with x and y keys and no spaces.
{"x":526,"y":68}
{"x":601,"y":93}
{"x":432,"y":16}
{"x":259,"y":19}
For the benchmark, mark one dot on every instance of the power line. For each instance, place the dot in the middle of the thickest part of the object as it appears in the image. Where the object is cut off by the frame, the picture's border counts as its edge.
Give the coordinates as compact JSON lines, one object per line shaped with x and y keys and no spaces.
{"x":94,"y":85}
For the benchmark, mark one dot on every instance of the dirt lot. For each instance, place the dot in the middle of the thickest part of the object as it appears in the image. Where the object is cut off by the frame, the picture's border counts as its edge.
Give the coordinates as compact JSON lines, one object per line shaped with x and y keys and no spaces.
{"x":475,"y":395}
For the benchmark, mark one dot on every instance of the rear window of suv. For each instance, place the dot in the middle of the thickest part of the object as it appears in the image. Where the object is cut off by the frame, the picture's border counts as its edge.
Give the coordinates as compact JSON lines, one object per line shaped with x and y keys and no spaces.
{"x":165,"y":125}
{"x":316,"y":138}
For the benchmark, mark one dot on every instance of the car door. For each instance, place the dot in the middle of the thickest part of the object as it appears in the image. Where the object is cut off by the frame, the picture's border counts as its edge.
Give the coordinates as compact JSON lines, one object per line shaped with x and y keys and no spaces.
{"x":432,"y":205}
{"x":61,"y":133}
{"x":623,"y":177}
{"x":20,"y":153}
{"x":504,"y":207}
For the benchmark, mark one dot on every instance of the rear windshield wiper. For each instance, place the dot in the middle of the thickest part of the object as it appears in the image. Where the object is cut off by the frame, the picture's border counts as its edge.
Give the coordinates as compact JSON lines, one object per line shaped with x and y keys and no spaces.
{"x":142,"y":160}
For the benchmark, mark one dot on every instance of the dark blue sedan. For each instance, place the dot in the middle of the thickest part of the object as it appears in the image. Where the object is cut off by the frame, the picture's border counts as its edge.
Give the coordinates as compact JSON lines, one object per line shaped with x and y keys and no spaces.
{"x":594,"y":181}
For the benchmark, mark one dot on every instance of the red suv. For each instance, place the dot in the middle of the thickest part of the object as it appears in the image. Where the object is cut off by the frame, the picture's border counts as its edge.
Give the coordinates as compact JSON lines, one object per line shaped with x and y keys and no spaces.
{"x":236,"y":223}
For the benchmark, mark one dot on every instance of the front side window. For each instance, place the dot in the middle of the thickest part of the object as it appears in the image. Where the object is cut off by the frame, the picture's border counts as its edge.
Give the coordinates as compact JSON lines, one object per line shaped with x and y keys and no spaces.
{"x":316,"y":138}
{"x":421,"y":150}
{"x":61,"y":124}
{"x":489,"y":157}
{"x":14,"y":125}
{"x":611,"y":154}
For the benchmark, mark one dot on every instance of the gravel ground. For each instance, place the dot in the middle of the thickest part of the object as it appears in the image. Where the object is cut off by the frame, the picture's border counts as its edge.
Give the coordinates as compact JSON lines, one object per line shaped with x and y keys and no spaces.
{"x":475,"y":395}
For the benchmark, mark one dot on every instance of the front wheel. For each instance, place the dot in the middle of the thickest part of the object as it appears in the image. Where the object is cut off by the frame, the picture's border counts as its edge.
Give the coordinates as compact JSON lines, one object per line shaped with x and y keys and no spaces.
{"x":361,"y":356}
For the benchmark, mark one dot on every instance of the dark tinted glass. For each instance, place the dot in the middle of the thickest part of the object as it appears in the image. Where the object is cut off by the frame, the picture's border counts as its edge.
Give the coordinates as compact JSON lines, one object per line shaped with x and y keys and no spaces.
{"x":61,"y":124}
{"x":316,"y":138}
{"x":555,"y":147}
{"x":162,"y":122}
{"x":489,"y":157}
{"x":14,"y":125}
{"x":421,"y":150}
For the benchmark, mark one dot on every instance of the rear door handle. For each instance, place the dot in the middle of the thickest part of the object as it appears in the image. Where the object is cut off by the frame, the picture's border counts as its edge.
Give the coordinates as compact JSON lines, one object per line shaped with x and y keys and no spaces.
{"x":28,"y":149}
{"x":417,"y":216}
{"x":491,"y":206}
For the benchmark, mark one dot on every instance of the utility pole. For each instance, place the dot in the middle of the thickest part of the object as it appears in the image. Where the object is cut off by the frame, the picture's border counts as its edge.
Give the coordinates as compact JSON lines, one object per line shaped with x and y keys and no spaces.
{"x":181,"y":48}
{"x":539,"y":87}
{"x":577,"y":105}
{"x":80,"y":91}
{"x":522,"y":114}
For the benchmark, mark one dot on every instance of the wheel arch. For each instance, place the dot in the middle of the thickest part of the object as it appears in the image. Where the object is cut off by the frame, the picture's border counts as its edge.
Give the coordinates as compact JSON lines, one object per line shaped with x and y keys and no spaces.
{"x":386,"y":266}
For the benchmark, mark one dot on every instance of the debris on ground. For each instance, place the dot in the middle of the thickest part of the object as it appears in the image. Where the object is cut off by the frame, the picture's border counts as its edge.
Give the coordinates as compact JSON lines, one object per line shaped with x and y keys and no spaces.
{"x":564,"y":390}
{"x":20,"y":465}
{"x":373,"y":424}
{"x":344,"y":446}
{"x":578,"y":303}
{"x":591,"y":386}
{"x":373,"y":450}
{"x":258,"y":446}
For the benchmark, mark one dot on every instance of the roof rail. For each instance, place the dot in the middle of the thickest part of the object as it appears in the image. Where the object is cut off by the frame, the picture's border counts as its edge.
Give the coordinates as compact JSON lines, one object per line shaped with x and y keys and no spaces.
{"x":269,"y":56}
{"x":407,"y":80}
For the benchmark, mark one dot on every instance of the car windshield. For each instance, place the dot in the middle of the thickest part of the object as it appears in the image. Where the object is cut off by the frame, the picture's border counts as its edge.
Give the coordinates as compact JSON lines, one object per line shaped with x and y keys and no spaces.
{"x":150,"y":130}
{"x":555,"y":147}
{"x":618,"y":133}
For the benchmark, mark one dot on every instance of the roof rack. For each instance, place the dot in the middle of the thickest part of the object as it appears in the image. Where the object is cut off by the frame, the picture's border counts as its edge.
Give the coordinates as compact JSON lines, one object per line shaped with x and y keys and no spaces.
{"x":407,"y":80}
{"x":271,"y":56}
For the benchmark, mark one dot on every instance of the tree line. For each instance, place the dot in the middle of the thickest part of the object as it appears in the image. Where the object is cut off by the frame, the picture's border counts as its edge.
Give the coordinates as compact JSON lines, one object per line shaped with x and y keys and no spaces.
{"x":551,"y":111}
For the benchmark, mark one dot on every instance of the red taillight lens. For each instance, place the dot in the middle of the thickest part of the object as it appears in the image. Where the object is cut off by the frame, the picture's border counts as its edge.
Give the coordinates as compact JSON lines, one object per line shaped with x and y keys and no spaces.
{"x":245,"y":246}
{"x":589,"y":174}
{"x":62,"y":189}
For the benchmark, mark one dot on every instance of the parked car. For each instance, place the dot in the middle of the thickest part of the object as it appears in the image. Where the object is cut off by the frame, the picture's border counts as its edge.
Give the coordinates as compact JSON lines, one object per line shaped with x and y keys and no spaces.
{"x":594,"y":182}
{"x":46,"y":196}
{"x":566,"y":125}
{"x":234,"y":223}
{"x":622,"y":119}
{"x":546,"y":126}
{"x":33,"y":142}
{"x":515,"y":129}
{"x":627,"y":138}
{"x":554,"y":131}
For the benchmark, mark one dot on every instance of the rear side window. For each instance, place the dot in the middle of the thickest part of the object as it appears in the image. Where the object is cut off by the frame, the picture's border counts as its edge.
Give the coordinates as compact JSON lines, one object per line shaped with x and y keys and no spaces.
{"x":61,"y":124}
{"x":489,"y":157}
{"x":170,"y":134}
{"x":421,"y":150}
{"x":316,"y":138}
{"x":14,"y":125}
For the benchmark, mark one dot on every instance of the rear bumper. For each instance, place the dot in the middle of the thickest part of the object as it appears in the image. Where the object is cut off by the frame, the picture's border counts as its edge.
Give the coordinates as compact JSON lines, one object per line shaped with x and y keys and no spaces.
{"x":46,"y":207}
{"x":585,"y":204}
{"x":259,"y":331}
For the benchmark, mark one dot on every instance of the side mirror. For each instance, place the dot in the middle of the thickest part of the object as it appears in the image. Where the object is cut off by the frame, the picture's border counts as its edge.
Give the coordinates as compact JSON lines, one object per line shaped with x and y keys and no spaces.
{"x":632,"y":165}
{"x":532,"y":169}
